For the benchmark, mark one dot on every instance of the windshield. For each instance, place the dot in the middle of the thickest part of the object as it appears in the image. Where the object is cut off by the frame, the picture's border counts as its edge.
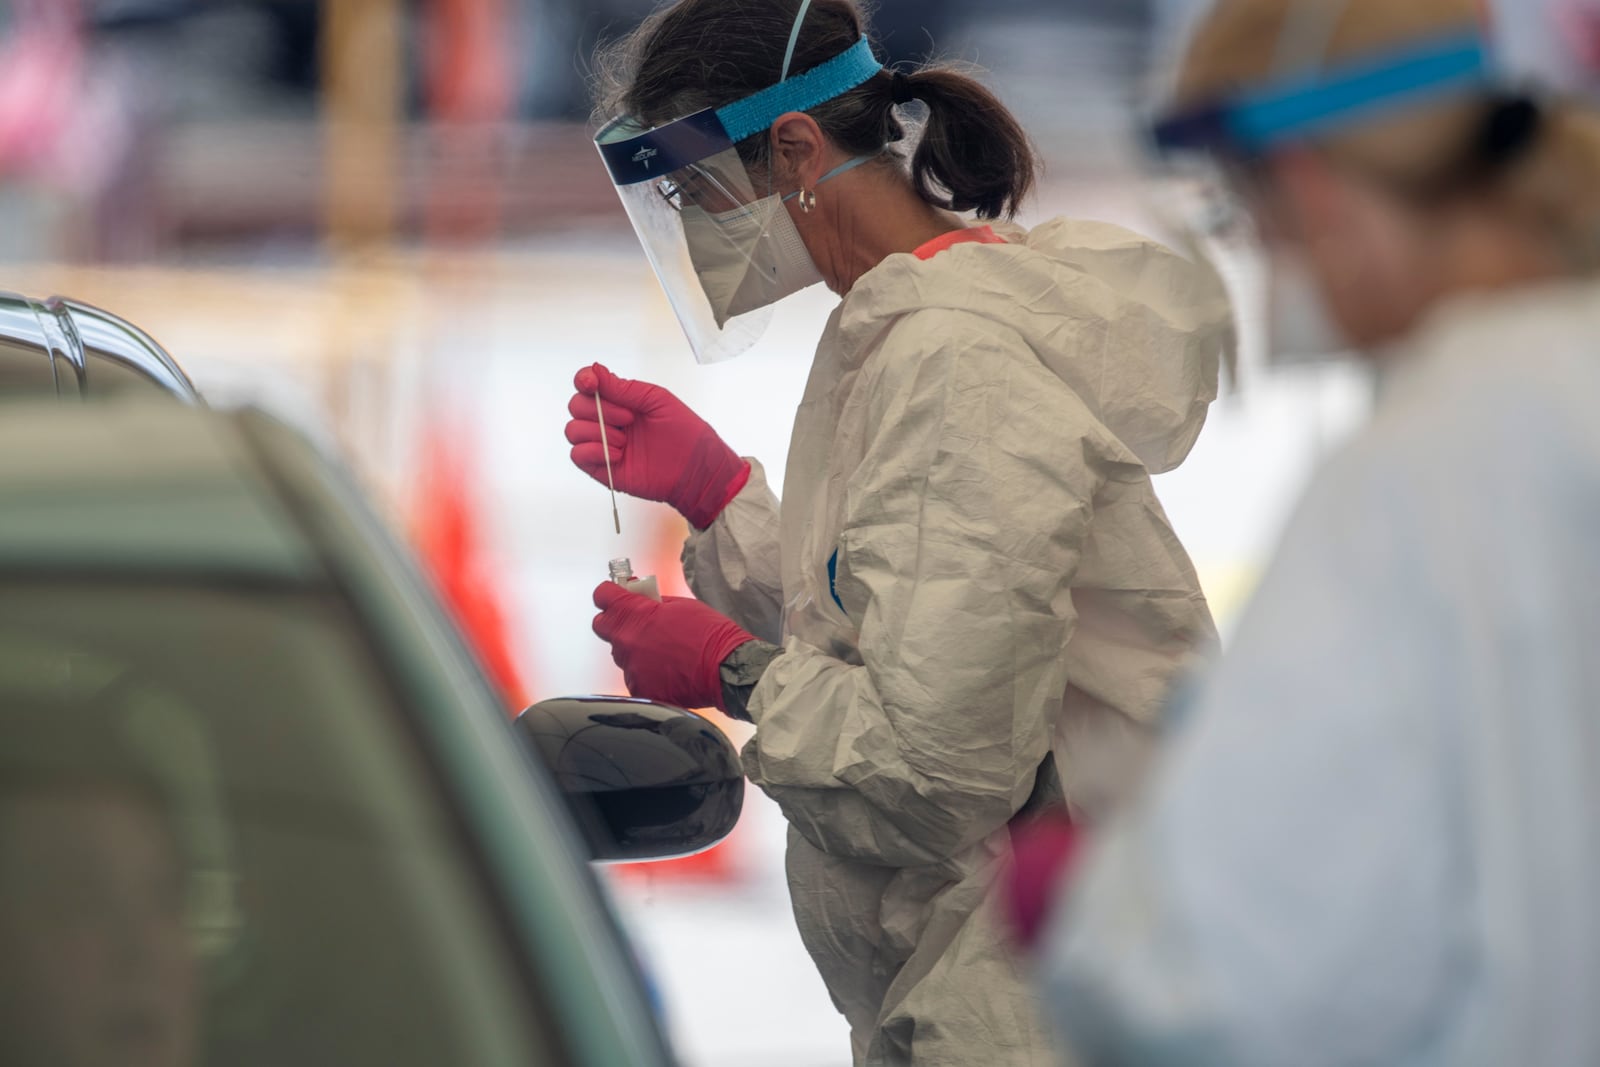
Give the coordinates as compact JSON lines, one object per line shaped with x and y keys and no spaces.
{"x":220,"y":845}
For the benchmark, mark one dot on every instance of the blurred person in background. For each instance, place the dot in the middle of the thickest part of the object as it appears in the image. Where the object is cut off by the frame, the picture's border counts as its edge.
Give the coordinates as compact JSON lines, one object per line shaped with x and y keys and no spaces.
{"x":970,"y":566}
{"x":99,"y":967}
{"x":69,"y":153}
{"x":1373,"y":839}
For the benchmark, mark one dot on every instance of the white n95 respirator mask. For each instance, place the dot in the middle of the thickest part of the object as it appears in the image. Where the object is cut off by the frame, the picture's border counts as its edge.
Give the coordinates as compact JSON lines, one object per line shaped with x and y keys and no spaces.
{"x":747,"y":258}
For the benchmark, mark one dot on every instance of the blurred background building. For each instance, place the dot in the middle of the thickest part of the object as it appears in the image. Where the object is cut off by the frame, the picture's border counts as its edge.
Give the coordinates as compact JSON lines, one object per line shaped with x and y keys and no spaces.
{"x":384,"y":218}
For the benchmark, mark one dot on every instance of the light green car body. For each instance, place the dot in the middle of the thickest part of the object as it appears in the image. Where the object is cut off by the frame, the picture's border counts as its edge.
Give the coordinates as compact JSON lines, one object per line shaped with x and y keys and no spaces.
{"x":136,"y":489}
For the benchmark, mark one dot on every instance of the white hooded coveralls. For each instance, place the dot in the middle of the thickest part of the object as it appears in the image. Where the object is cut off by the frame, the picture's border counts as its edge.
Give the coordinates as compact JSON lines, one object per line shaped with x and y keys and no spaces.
{"x":970,"y":565}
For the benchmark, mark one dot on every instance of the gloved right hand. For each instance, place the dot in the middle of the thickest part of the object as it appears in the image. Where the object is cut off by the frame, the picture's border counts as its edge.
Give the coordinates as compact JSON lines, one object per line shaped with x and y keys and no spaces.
{"x":660,"y":450}
{"x":1044,"y":854}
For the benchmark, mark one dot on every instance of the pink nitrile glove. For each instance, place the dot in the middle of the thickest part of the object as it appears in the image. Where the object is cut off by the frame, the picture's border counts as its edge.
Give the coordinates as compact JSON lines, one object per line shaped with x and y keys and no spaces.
{"x":660,"y":449}
{"x":669,"y":650}
{"x":1044,"y":854}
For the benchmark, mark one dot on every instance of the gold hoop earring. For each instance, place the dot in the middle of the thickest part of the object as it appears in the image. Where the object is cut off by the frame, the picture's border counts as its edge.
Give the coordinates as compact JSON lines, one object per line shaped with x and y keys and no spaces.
{"x":808,"y":200}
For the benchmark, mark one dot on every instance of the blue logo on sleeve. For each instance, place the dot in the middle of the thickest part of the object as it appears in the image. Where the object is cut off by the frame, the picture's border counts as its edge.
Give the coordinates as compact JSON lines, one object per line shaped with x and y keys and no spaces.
{"x":833,"y":580}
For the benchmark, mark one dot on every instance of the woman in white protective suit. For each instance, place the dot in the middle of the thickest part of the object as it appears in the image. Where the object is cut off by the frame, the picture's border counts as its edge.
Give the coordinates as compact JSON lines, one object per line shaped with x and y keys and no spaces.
{"x":969,"y":563}
{"x":1374,"y":838}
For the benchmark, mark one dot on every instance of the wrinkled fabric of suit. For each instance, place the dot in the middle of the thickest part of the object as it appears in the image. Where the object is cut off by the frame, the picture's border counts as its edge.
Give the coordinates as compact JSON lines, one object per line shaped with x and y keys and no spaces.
{"x":969,"y":569}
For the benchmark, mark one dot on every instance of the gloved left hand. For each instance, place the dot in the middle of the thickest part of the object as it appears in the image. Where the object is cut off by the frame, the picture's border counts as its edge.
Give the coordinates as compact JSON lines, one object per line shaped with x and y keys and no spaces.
{"x":670,"y":651}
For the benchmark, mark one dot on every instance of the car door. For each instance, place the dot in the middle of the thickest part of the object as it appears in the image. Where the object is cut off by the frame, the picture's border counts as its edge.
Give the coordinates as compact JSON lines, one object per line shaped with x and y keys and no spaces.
{"x":254,"y":807}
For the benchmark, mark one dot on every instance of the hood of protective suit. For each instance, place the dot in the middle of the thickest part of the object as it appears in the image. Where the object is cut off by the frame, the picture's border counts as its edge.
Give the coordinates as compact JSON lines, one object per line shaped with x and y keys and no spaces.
{"x":1137,"y":331}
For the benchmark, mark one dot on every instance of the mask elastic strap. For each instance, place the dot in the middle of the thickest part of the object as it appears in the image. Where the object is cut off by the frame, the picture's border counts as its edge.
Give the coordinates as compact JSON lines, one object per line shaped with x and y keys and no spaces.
{"x":844,"y":168}
{"x":788,"y":59}
{"x":794,"y":39}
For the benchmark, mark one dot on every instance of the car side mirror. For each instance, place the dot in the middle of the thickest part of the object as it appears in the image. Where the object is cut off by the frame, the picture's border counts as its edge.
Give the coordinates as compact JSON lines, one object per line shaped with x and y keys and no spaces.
{"x":644,"y":781}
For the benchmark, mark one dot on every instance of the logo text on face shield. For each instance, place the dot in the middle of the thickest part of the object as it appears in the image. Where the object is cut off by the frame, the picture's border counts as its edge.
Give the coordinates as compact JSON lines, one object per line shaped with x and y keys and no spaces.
{"x":645,"y":155}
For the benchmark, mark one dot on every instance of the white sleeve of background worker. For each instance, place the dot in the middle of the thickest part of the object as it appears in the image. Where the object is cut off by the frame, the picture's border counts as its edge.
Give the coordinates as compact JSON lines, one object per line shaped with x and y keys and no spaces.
{"x":1283,"y":896}
{"x":963,"y":527}
{"x":735,"y":565}
{"x":1373,"y":841}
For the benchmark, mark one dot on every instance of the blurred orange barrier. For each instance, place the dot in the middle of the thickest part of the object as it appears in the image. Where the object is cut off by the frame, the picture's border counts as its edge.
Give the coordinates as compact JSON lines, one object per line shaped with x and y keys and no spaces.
{"x":447,"y":528}
{"x":470,"y":69}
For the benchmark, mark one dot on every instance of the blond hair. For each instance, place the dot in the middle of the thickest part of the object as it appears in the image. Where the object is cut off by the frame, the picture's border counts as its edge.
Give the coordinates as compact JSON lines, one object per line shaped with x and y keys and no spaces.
{"x":1553,"y":189}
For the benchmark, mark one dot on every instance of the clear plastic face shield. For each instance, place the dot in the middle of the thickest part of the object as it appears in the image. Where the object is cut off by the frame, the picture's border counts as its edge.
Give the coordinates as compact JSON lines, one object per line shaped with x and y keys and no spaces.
{"x":718,"y":235}
{"x":1214,"y":199}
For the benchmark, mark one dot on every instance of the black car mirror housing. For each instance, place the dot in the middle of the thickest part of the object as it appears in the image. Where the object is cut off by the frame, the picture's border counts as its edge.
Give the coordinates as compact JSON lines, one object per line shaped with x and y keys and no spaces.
{"x":644,"y":781}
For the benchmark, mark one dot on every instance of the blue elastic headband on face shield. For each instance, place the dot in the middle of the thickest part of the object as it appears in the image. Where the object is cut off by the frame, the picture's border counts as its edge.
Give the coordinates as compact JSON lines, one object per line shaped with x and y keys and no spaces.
{"x":635,"y":156}
{"x":800,"y":93}
{"x":1254,"y":123}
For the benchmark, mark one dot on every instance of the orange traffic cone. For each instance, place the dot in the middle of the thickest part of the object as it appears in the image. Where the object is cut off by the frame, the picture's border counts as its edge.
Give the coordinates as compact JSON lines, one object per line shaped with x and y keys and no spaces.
{"x":447,"y":531}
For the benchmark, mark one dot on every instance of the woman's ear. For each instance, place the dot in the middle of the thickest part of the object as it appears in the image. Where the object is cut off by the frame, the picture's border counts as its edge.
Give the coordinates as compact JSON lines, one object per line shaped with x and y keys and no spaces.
{"x":799,"y":148}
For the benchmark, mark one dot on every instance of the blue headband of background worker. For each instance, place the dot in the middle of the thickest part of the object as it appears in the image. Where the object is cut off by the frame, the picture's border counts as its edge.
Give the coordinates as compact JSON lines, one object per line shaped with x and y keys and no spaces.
{"x":633,"y":156}
{"x":1254,"y":123}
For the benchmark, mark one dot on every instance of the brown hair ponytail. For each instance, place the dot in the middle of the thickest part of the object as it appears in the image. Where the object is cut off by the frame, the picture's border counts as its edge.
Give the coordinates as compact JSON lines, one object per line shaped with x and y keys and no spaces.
{"x":974,"y":155}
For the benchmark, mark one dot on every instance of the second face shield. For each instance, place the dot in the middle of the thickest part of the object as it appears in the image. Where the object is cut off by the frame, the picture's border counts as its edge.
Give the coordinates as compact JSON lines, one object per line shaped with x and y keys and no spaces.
{"x":1211,"y":157}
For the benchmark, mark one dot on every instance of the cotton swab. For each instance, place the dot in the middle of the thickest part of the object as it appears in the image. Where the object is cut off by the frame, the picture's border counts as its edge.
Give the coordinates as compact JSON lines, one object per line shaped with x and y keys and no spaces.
{"x":600,"y":411}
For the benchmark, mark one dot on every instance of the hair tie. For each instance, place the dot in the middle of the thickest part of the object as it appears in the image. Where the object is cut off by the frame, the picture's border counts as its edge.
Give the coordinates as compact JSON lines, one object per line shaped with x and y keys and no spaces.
{"x":901,"y":89}
{"x":1509,"y":131}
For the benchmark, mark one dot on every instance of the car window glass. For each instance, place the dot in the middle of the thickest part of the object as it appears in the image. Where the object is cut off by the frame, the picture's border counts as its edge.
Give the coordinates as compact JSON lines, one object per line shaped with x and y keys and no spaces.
{"x":219,"y":845}
{"x":24,"y":372}
{"x":107,"y":377}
